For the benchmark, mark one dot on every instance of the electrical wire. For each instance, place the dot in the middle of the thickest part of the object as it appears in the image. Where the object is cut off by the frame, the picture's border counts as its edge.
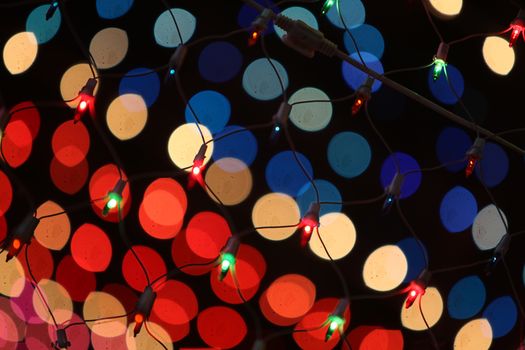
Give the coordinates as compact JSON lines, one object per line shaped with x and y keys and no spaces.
{"x":244,"y":129}
{"x":279,"y":79}
{"x":347,"y":30}
{"x":109,"y":318}
{"x":175,"y":270}
{"x":408,"y":69}
{"x":71,"y":209}
{"x":154,"y":337}
{"x":334,"y":100}
{"x":431,"y":20}
{"x":477,"y":35}
{"x":167,"y":6}
{"x":251,"y":311}
{"x":356,"y":202}
{"x":429,"y":329}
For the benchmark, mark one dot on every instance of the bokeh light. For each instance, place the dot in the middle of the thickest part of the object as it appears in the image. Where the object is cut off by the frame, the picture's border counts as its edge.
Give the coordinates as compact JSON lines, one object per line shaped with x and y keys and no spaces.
{"x":354,"y":77}
{"x":415,"y":256}
{"x":432,"y":306}
{"x":474,"y":335}
{"x":221,"y":327}
{"x":328,"y":192}
{"x":466,"y":298}
{"x":132,"y":271}
{"x":57,"y":299}
{"x":72,"y":81}
{"x":489,"y":228}
{"x":338,"y":234}
{"x":144,"y":341}
{"x":502,"y":315}
{"x":212,"y":109}
{"x":451,"y":146}
{"x":458,"y":209}
{"x":127,"y":116}
{"x":44,"y":29}
{"x":176,"y":303}
{"x":206,"y":234}
{"x":352,"y":11}
{"x":7,"y":193}
{"x":298,"y":13}
{"x":20,"y":52}
{"x":407,"y":164}
{"x":141,"y":81}
{"x":77,"y":281}
{"x":368,"y":38}
{"x":17,"y":143}
{"x":374,"y":338}
{"x":40,"y":260}
{"x":276,"y":209}
{"x":446,"y":8}
{"x":101,"y":305}
{"x":493,"y":168}
{"x":385,"y":268}
{"x":220,"y":61}
{"x":498,"y":56}
{"x":70,"y":143}
{"x":184,"y":143}
{"x":444,"y":92}
{"x":91,"y":248}
{"x":285,"y":174}
{"x":262,"y":82}
{"x":349,"y":154}
{"x":53,"y":232}
{"x":109,"y":47}
{"x":12,"y":277}
{"x":69,"y":180}
{"x":165,"y":31}
{"x":311,"y":116}
{"x":101,"y":183}
{"x":230,"y":180}
{"x":241,"y":144}
{"x":111,"y":9}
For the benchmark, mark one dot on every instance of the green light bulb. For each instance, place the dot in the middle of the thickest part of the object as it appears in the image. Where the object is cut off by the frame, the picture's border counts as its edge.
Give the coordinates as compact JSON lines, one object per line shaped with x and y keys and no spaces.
{"x":439,"y":65}
{"x":112,"y":202}
{"x":228,"y":260}
{"x":336,"y":322}
{"x":327,"y":6}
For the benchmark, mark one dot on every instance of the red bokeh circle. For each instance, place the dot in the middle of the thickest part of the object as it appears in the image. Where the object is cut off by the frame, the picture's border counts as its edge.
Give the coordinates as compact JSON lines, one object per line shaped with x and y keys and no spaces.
{"x":77,"y":281}
{"x":69,"y":180}
{"x":91,"y":248}
{"x":101,"y":183}
{"x":207,"y":234}
{"x":132,"y":271}
{"x":70,"y":143}
{"x":221,"y":327}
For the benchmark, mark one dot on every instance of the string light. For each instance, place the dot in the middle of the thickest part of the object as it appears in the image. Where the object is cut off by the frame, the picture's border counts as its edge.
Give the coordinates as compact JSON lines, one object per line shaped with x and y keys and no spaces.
{"x":62,"y":342}
{"x":440,"y":60}
{"x":86,"y":97}
{"x":227,"y":259}
{"x":309,"y":222}
{"x":393,"y":191}
{"x":517,"y":28}
{"x":143,"y":308}
{"x":499,"y":253}
{"x":198,"y":167}
{"x":418,"y":287}
{"x":259,"y":26}
{"x":474,"y":154}
{"x":114,"y":197}
{"x":176,"y":61}
{"x":280,"y":119}
{"x":22,"y":235}
{"x":363,"y":94}
{"x":328,"y":4}
{"x":51,"y":10}
{"x":336,"y":320}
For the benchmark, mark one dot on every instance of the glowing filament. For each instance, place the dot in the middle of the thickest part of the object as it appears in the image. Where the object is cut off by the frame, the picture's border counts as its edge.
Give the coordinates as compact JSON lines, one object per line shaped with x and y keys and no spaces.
{"x":336,"y":322}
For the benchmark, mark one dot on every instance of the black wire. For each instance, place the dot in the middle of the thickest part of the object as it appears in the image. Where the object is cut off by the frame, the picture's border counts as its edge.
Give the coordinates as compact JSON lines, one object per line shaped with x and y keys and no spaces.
{"x":459,"y":267}
{"x":334,"y":100}
{"x":431,"y":20}
{"x":34,"y":283}
{"x":429,"y":329}
{"x":356,"y":202}
{"x":354,"y":42}
{"x":173,"y":271}
{"x":267,"y":56}
{"x":167,"y":6}
{"x":472,"y":36}
{"x":154,"y":337}
{"x":187,"y":103}
{"x":244,"y":129}
{"x":346,"y":342}
{"x":217,"y":37}
{"x":19,"y":185}
{"x":124,"y":238}
{"x":111,"y":149}
{"x":98,"y":319}
{"x":413,"y":233}
{"x":408,"y":69}
{"x":157,"y":174}
{"x":437,"y":167}
{"x":71,"y":209}
{"x":250,"y":309}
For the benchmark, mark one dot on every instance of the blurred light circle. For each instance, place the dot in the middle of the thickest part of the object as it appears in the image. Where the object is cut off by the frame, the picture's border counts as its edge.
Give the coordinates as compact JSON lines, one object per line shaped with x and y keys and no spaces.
{"x":144,"y":341}
{"x":40,"y":260}
{"x":374,"y":338}
{"x":22,"y":304}
{"x":165,"y":31}
{"x":104,"y":343}
{"x":101,"y":305}
{"x":276,"y":209}
{"x":385,"y":268}
{"x":73,"y":80}
{"x":349,"y":154}
{"x":69,"y":180}
{"x":327,"y":193}
{"x":220,"y":62}
{"x":7,"y":193}
{"x":185,"y":259}
{"x":432,"y":306}
{"x":368,"y":38}
{"x":17,"y":143}
{"x":71,"y":143}
{"x":502,"y":315}
{"x":285,"y":174}
{"x":338,"y":234}
{"x":29,"y":114}
{"x":44,"y":29}
{"x":161,"y":213}
{"x":406,"y":164}
{"x":474,"y":335}
{"x":140,"y":81}
{"x":176,"y":303}
{"x":230,"y":179}
{"x":13,"y":331}
{"x":247,"y":14}
{"x":127,"y":116}
{"x":451,"y":146}
{"x":20,"y":52}
{"x":261,"y":81}
{"x":352,"y":11}
{"x":109,"y":47}
{"x":132,"y":271}
{"x":446,"y":8}
{"x":314,"y":338}
{"x":53,"y":232}
{"x":488,"y":228}
{"x":124,"y":294}
{"x":466,"y":298}
{"x":458,"y":209}
{"x":101,"y":183}
{"x":12,"y":279}
{"x":207,"y":234}
{"x":493,"y":168}
{"x":212,"y":109}
{"x":291,"y":297}
{"x":444,"y":92}
{"x":297,"y":13}
{"x":184,"y":143}
{"x":57,"y":299}
{"x":415,"y":255}
{"x":249,"y":270}
{"x":235,"y":142}
{"x":498,"y":56}
{"x":221,"y":327}
{"x":111,"y":9}
{"x":311,"y":116}
{"x":91,"y":248}
{"x":355,"y":78}
{"x":77,"y":281}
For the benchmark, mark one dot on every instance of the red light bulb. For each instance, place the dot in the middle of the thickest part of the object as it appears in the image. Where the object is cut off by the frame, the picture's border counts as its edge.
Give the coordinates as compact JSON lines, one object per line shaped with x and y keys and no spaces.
{"x":356,"y":107}
{"x":306,"y":234}
{"x":196,"y":170}
{"x":82,"y":106}
{"x":517,"y":29}
{"x":413,"y":294}
{"x":254,"y":36}
{"x":139,"y":320}
{"x":470,"y":166}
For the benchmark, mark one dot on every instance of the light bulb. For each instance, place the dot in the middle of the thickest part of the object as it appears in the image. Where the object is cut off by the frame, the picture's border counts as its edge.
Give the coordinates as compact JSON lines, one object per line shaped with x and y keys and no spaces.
{"x":114,"y":197}
{"x":439,"y":65}
{"x":336,"y":322}
{"x":227,"y":261}
{"x":327,"y":6}
{"x":517,"y":29}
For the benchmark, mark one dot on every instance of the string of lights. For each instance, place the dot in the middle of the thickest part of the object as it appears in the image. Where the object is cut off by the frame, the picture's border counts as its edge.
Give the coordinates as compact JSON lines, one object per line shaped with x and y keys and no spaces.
{"x":309,"y":222}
